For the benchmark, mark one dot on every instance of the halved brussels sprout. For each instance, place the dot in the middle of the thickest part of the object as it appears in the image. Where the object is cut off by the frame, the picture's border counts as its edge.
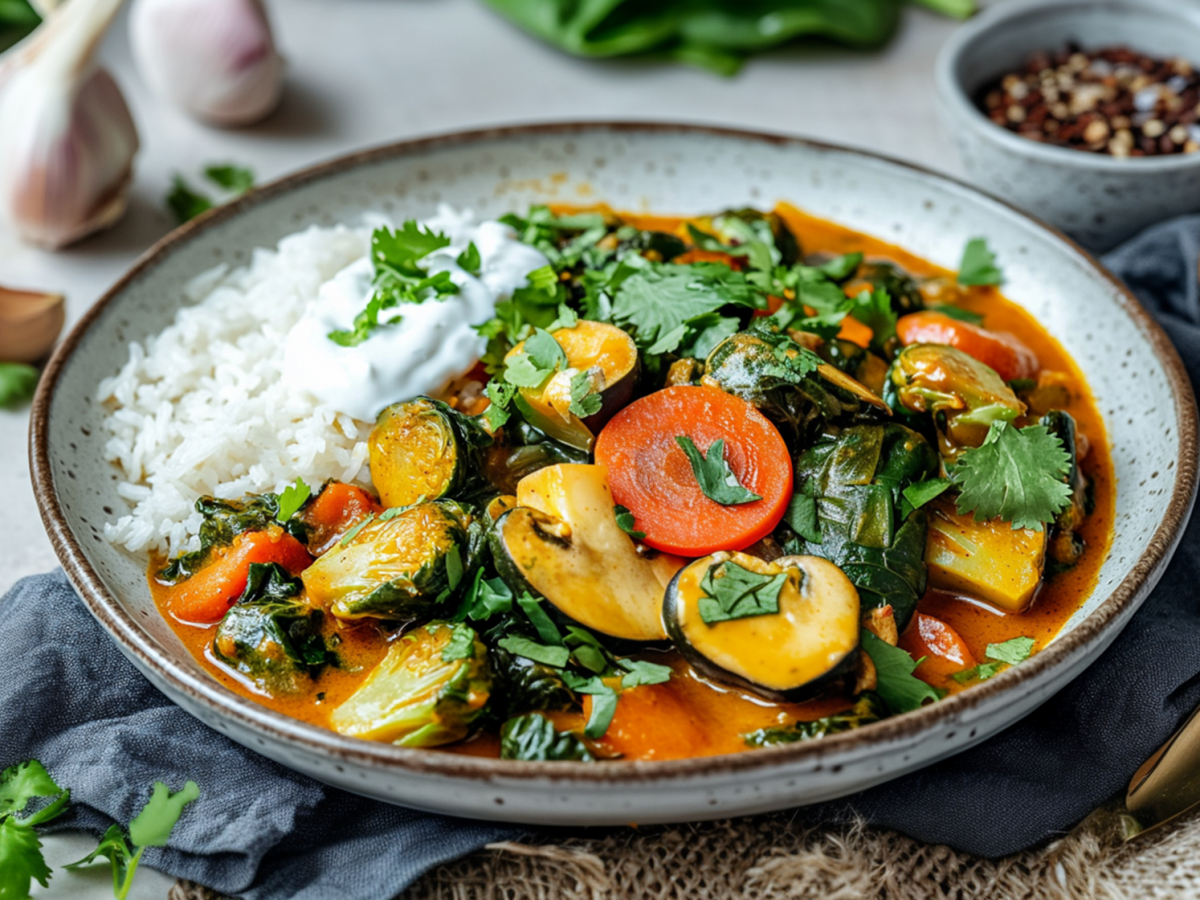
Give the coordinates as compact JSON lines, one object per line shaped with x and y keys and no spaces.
{"x":429,"y":690}
{"x":423,"y":449}
{"x":964,"y":396}
{"x":602,"y":353}
{"x":270,"y":635}
{"x":713,"y":611}
{"x":402,"y":566}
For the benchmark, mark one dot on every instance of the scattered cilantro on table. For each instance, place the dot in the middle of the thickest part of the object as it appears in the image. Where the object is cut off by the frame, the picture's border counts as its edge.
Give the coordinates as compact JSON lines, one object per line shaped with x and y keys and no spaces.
{"x":717,"y":481}
{"x":1017,"y":475}
{"x":185,"y":202}
{"x":18,"y":381}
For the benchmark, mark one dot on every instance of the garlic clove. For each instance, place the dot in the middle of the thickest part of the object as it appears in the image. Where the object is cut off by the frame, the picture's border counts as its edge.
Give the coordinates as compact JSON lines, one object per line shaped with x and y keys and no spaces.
{"x":67,"y":139}
{"x":30,"y":323}
{"x":214,"y":58}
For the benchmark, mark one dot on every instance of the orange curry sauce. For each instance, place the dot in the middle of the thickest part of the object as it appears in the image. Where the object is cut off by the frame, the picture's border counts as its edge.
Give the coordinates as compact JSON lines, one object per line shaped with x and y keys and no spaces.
{"x":689,"y":716}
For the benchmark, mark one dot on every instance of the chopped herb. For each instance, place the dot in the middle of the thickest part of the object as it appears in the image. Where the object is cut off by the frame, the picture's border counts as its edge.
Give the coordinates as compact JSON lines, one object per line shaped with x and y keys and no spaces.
{"x":542,"y":623}
{"x":1013,"y":651}
{"x":184,"y":203}
{"x":867,"y":709}
{"x":549,"y":656}
{"x":487,"y":597}
{"x":501,"y":394}
{"x":625,"y":522}
{"x":922,"y":492}
{"x":639,"y":672}
{"x":237,"y":179}
{"x":461,"y":644}
{"x":874,"y":309}
{"x":469,"y":260}
{"x":978,"y":266}
{"x":353,"y":532}
{"x":716,"y":479}
{"x":1017,"y":475}
{"x":533,"y":738}
{"x":841,"y":267}
{"x":583,"y":402}
{"x":293,"y":497}
{"x":801,"y":513}
{"x":734,"y":592}
{"x":604,"y":702}
{"x":587,"y":651}
{"x":539,"y":358}
{"x":18,"y":382}
{"x":567,"y":318}
{"x":898,"y":687}
{"x":957,"y":312}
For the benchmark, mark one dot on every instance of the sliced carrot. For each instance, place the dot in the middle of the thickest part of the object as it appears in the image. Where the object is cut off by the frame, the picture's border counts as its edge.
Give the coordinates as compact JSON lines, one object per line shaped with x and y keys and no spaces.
{"x":652,"y":722}
{"x":337,"y":509}
{"x":1002,"y":351}
{"x":855,"y":332}
{"x":944,"y":650}
{"x":206,"y":596}
{"x":650,"y":475}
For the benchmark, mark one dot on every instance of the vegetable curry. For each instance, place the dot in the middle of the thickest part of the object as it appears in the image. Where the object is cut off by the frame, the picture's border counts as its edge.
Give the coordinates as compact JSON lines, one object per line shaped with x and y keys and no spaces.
{"x":716,"y":484}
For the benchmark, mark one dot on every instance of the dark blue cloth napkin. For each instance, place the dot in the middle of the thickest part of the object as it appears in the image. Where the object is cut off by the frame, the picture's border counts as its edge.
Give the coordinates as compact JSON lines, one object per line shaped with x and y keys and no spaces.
{"x":263,"y":832}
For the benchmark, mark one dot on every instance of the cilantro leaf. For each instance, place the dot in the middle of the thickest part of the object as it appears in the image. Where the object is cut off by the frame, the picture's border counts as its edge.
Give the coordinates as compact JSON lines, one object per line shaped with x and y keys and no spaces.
{"x":921,"y":492}
{"x":548,"y":656}
{"x":734,"y":592}
{"x":897,"y":686}
{"x":874,"y":309}
{"x":587,"y":651}
{"x":400,"y":248}
{"x":1017,"y":474}
{"x":293,"y":497}
{"x":539,"y":358}
{"x":604,"y":702}
{"x":583,"y":402}
{"x":1013,"y":651}
{"x":21,"y":860}
{"x":716,"y":479}
{"x":120,"y":856}
{"x":625,"y":522}
{"x":501,"y":394}
{"x":237,"y":179}
{"x":542,"y":623}
{"x":461,"y":644}
{"x":22,"y":782}
{"x":18,"y":382}
{"x":567,"y":318}
{"x":542,"y":290}
{"x":981,"y":672}
{"x":978,"y":265}
{"x":639,"y":672}
{"x":957,"y":312}
{"x":184,"y":203}
{"x":656,"y":300}
{"x":469,"y":260}
{"x":153,"y":825}
{"x":841,"y":267}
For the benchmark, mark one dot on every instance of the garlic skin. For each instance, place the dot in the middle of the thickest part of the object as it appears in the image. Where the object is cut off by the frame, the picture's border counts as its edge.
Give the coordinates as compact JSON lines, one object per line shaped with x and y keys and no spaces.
{"x":214,"y":58}
{"x":30,"y":323}
{"x":67,"y":139}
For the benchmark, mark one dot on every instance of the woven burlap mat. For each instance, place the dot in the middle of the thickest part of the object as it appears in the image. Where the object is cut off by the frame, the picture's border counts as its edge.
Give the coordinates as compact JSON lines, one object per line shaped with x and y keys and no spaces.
{"x":779,"y":857}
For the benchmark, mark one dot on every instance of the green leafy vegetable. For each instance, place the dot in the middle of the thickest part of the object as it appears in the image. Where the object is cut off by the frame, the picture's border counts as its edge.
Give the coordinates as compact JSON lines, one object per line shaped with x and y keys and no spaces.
{"x":293,"y":497}
{"x":487,"y":597}
{"x":550,"y":656}
{"x":583,"y":402}
{"x":353,"y":532}
{"x":237,"y":179}
{"x":921,"y":492}
{"x":1009,"y":653}
{"x":501,"y":394}
{"x":716,"y":479}
{"x":874,"y":309}
{"x":540,"y":357}
{"x":17,"y":19}
{"x":957,"y":312}
{"x":639,"y":672}
{"x":867,"y":708}
{"x":734,"y":592}
{"x":899,"y":689}
{"x":604,"y":702}
{"x":978,"y":265}
{"x":659,"y":302}
{"x":184,"y":202}
{"x":540,"y":619}
{"x":461,"y":645}
{"x":18,"y":382}
{"x":223,"y":520}
{"x":567,"y":318}
{"x":21,"y":860}
{"x":1017,"y":474}
{"x":801,"y":515}
{"x":469,"y":260}
{"x":533,"y":738}
{"x":625,"y":522}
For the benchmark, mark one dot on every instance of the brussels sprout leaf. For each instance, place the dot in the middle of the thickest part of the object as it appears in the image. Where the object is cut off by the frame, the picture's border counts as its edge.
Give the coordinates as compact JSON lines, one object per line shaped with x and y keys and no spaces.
{"x":1018,"y":475}
{"x":625,"y":522}
{"x":900,"y":690}
{"x":978,"y":265}
{"x":18,"y":381}
{"x":583,"y":402}
{"x":734,"y":592}
{"x":716,"y":479}
{"x":293,"y":497}
{"x":533,"y":738}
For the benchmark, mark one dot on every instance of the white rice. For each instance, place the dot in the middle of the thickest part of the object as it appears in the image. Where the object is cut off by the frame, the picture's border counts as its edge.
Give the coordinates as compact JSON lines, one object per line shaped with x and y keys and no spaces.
{"x":201,"y":408}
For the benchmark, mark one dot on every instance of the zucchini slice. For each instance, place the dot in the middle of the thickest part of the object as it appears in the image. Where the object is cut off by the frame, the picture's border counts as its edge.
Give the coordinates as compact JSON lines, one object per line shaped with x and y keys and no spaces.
{"x":401,"y":568}
{"x":609,"y":357}
{"x":562,"y":543}
{"x":791,"y":654}
{"x":423,"y":449}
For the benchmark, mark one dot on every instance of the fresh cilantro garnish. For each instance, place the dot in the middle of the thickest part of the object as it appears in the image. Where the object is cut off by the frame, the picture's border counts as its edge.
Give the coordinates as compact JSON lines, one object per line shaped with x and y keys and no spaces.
{"x":21,"y":860}
{"x":501,"y":394}
{"x":756,"y":245}
{"x":639,"y":672}
{"x":978,"y":265}
{"x":237,"y":179}
{"x":469,"y":260}
{"x":540,"y":653}
{"x":801,"y":513}
{"x":353,"y":532}
{"x":293,"y":497}
{"x":659,"y":301}
{"x":897,"y":685}
{"x":587,"y":651}
{"x":841,"y":267}
{"x":874,"y":309}
{"x":461,"y":644}
{"x":957,"y":312}
{"x":922,"y":492}
{"x":625,"y":522}
{"x":539,"y":358}
{"x":567,"y":318}
{"x":1009,"y":653}
{"x":734,"y":592}
{"x":1017,"y":475}
{"x":18,"y":382}
{"x":583,"y":402}
{"x":716,"y":479}
{"x":542,"y":623}
{"x":604,"y":702}
{"x":485,"y":598}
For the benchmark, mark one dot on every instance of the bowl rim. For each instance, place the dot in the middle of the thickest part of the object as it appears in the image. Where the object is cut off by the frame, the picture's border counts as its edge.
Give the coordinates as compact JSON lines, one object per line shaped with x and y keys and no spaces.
{"x":137,"y":643}
{"x":955,"y":100}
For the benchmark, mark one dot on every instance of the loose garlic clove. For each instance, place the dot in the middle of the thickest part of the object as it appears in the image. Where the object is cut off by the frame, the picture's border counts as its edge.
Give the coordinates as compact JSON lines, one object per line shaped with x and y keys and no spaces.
{"x":67,"y":140}
{"x":30,"y":323}
{"x":214,"y":58}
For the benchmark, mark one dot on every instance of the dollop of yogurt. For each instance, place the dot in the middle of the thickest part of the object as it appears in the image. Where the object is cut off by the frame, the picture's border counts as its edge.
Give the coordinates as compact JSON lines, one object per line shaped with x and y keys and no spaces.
{"x":432,"y":344}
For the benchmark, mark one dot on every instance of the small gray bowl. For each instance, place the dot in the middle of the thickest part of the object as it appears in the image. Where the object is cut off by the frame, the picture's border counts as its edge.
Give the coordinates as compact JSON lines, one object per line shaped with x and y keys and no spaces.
{"x":1098,"y":199}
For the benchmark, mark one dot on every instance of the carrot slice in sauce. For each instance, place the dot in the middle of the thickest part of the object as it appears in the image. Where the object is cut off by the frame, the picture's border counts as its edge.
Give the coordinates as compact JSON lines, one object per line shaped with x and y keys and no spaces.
{"x":206,"y":596}
{"x":1004,"y":352}
{"x":652,"y":722}
{"x":944,"y":650}
{"x":337,"y":509}
{"x":650,"y":475}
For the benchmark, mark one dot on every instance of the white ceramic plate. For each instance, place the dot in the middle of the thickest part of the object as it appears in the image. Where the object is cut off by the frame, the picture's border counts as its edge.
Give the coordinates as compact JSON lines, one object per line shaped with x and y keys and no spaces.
{"x":1136,"y":376}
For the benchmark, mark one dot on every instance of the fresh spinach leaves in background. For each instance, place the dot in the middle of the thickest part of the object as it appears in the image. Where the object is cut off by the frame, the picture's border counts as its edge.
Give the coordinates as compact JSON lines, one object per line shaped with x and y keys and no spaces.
{"x":17,"y":19}
{"x":714,"y":34}
{"x":185,"y":203}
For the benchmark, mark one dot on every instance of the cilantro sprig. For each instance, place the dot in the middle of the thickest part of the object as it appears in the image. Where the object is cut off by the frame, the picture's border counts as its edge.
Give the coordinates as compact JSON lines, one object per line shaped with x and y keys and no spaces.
{"x":978,"y":266}
{"x":717,"y":481}
{"x":1001,"y":656}
{"x":1018,"y":475}
{"x":185,"y":202}
{"x":735,"y":592}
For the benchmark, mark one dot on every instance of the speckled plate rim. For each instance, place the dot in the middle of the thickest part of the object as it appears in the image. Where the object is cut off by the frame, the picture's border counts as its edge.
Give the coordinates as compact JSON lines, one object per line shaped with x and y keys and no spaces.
{"x":137,"y":643}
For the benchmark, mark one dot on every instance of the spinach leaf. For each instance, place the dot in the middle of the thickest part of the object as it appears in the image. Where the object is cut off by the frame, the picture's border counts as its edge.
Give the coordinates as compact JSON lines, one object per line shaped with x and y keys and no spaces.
{"x":899,"y":689}
{"x":533,"y":738}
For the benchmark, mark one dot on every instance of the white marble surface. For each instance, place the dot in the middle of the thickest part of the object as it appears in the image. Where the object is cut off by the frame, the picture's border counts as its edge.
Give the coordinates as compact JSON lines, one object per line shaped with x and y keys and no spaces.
{"x":364,"y":72}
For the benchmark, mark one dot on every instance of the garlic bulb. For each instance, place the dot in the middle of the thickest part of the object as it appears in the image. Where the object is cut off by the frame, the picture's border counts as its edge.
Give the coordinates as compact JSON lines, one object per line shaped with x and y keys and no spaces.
{"x":214,"y":58}
{"x":30,"y":323}
{"x":67,"y":140}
